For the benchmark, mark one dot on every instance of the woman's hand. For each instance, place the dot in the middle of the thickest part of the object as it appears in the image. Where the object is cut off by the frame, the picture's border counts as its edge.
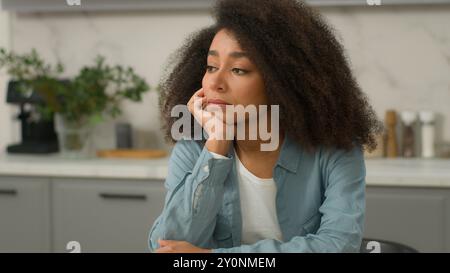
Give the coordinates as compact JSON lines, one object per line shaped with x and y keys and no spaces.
{"x":213,"y":121}
{"x":170,"y":246}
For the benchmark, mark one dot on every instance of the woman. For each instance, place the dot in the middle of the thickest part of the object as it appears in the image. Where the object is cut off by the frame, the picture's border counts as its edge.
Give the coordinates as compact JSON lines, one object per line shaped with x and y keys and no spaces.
{"x":307,"y":195}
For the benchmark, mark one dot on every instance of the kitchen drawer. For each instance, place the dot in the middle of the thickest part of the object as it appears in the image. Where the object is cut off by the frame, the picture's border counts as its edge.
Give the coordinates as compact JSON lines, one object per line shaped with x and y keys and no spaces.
{"x":105,"y":215}
{"x":24,"y":214}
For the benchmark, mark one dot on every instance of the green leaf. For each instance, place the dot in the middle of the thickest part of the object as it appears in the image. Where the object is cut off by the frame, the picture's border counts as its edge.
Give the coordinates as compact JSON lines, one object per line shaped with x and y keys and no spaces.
{"x":96,"y":89}
{"x":96,"y":118}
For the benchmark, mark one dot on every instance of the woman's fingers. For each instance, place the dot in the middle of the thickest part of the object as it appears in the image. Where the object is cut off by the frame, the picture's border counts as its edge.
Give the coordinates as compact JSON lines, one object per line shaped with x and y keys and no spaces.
{"x":211,"y":118}
{"x":165,"y":246}
{"x":165,"y":249}
{"x":197,"y":101}
{"x":196,"y":106}
{"x":200,"y":92}
{"x":172,"y":246}
{"x":163,"y":242}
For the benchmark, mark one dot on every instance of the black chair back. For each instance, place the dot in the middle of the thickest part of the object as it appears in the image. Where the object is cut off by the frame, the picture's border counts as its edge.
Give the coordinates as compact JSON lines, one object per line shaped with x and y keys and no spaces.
{"x":383,"y":246}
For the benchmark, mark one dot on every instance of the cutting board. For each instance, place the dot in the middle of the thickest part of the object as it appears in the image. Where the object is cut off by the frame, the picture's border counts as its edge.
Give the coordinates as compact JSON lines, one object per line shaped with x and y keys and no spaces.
{"x":132,"y":154}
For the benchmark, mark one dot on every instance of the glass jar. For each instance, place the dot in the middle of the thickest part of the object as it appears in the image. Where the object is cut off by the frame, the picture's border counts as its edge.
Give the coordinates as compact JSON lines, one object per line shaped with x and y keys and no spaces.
{"x":74,"y":137}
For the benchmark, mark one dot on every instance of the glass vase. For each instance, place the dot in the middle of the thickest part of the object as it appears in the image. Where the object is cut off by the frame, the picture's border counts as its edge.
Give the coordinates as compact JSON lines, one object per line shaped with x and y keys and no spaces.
{"x":74,"y":137}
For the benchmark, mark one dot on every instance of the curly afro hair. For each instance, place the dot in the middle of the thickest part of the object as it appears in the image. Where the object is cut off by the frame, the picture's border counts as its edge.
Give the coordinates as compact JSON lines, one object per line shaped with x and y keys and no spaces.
{"x":304,"y":69}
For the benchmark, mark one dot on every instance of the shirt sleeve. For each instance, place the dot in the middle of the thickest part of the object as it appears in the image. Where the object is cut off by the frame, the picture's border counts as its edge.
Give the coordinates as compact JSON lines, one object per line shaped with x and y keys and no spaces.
{"x":343,"y":211}
{"x":195,"y":188}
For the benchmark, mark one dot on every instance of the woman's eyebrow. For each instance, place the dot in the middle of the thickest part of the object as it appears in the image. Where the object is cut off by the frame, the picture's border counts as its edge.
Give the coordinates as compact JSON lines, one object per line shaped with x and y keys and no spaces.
{"x":234,"y":54}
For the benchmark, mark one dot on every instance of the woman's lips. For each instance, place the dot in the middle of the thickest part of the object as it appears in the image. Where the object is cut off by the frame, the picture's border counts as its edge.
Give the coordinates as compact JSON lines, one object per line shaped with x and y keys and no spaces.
{"x":218,"y":103}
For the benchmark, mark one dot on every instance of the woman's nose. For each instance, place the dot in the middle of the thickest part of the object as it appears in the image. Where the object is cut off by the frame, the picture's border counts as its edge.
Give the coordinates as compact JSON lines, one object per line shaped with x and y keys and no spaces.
{"x":216,"y":82}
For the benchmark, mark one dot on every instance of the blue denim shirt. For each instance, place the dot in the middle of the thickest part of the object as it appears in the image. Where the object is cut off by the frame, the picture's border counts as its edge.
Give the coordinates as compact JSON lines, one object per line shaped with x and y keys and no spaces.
{"x":320,"y":200}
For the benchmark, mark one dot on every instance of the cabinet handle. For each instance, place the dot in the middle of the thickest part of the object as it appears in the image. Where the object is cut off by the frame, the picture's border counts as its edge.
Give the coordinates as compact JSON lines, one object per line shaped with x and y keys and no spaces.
{"x":10,"y":192}
{"x":139,"y":197}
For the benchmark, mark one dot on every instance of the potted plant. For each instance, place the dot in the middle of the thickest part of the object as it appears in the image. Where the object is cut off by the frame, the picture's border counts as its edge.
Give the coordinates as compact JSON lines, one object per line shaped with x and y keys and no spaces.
{"x":78,"y":103}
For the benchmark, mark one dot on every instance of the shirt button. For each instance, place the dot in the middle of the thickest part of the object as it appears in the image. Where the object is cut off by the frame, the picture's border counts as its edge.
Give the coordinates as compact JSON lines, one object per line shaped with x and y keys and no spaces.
{"x":206,"y":168}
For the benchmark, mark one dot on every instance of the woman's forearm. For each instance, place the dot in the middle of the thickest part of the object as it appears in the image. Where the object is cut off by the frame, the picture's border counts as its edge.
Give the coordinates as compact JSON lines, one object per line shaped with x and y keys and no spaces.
{"x":218,"y":146}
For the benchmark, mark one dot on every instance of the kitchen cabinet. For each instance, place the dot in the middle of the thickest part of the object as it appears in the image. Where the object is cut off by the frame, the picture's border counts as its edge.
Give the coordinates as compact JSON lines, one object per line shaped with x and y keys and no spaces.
{"x":24,"y":214}
{"x":102,"y":215}
{"x":105,"y":215}
{"x":418,"y":217}
{"x":110,"y":205}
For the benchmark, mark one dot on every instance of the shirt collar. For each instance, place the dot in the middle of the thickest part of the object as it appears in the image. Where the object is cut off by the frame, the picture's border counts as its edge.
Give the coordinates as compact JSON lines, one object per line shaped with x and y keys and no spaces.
{"x":289,"y":155}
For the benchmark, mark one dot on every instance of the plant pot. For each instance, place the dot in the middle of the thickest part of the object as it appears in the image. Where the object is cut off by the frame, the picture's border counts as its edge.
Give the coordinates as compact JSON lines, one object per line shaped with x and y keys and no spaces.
{"x":74,"y":137}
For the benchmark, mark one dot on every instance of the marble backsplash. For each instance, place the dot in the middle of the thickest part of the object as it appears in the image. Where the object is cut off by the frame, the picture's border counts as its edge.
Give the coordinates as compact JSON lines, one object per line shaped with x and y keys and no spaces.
{"x":400,"y":55}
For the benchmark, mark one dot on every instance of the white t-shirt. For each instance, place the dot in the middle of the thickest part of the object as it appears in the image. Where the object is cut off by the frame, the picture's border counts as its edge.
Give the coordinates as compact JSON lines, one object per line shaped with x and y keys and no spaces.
{"x":259,"y":214}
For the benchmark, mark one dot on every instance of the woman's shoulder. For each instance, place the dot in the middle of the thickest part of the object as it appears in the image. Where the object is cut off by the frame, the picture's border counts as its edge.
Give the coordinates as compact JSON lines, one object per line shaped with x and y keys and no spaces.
{"x":335,"y":152}
{"x":324,"y":155}
{"x":332,"y":157}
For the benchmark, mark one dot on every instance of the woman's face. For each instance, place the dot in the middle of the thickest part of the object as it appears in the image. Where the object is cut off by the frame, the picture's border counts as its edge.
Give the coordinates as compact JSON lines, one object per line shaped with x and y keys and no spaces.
{"x":230,"y":75}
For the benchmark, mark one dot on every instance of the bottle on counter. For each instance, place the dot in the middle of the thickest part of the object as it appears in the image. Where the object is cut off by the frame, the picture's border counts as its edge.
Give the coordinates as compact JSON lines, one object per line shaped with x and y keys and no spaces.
{"x":427,"y":119}
{"x":391,"y":134}
{"x":408,"y":136}
{"x":123,"y":135}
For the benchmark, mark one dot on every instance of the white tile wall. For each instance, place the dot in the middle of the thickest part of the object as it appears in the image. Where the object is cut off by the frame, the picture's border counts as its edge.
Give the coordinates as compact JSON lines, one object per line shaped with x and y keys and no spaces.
{"x":6,"y":128}
{"x":400,"y":55}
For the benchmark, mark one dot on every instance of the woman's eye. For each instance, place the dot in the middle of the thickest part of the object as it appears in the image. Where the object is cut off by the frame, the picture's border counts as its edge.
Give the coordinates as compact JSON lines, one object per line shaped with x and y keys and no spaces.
{"x":239,"y":71}
{"x":210,"y":68}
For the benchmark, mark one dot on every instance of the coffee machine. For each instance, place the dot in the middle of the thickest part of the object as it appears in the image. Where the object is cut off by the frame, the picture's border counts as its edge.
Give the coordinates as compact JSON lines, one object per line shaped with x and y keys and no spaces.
{"x":38,"y":134}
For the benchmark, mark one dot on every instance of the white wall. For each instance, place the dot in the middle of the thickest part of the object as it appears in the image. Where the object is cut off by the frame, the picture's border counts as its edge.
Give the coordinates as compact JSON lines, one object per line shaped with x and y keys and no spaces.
{"x":400,"y":55}
{"x":5,"y":110}
{"x":143,"y":40}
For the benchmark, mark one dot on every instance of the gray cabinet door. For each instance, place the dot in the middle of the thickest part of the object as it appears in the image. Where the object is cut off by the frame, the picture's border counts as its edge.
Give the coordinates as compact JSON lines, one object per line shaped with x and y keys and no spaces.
{"x":24,"y":214}
{"x":105,"y":215}
{"x":412,"y":216}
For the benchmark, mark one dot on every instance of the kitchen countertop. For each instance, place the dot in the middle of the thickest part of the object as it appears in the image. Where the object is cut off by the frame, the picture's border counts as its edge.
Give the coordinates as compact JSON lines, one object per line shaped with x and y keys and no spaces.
{"x":408,"y":172}
{"x":57,"y":166}
{"x":380,"y":172}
